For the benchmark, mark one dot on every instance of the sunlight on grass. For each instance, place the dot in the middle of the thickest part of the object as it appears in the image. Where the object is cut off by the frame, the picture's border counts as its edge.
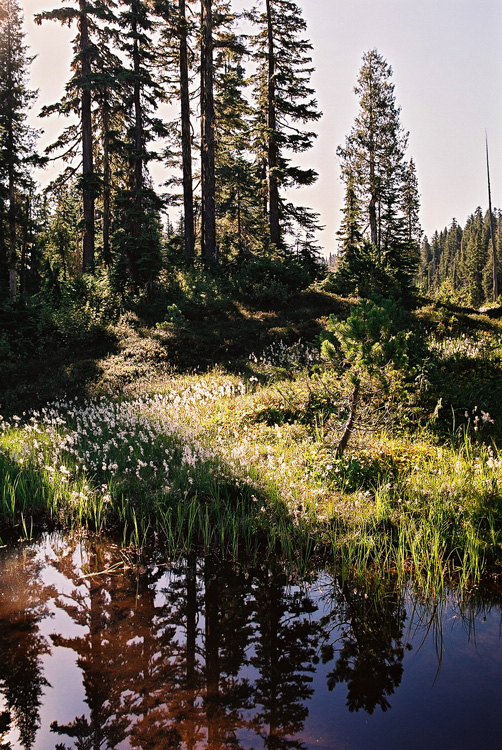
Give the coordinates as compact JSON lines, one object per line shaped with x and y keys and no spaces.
{"x":239,"y":461}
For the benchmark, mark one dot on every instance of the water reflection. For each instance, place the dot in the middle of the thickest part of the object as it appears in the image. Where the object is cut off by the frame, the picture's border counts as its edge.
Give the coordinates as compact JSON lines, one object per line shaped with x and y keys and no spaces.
{"x":199,"y":654}
{"x":23,"y":604}
{"x":167,"y":656}
{"x":364,"y":631}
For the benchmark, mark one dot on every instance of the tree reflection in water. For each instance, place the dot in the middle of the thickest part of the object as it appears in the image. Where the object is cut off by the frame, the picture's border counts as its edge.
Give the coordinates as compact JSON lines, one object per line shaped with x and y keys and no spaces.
{"x":167,"y":656}
{"x":196,"y":654}
{"x":286,"y":637}
{"x":23,"y":604}
{"x":368,"y":621}
{"x":5,"y":720}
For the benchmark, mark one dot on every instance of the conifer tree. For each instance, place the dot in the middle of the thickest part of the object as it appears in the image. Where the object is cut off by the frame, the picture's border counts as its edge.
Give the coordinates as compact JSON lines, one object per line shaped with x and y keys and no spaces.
{"x":425,"y":274}
{"x":374,"y":168}
{"x":28,"y":221}
{"x":410,"y":205}
{"x":175,"y":73}
{"x":474,"y":252}
{"x":350,"y":229}
{"x":137,"y":227}
{"x":460,"y":261}
{"x":285,"y":104}
{"x":62,"y":238}
{"x":435,"y":252}
{"x":356,"y":255}
{"x":16,"y":137}
{"x":109,"y":125}
{"x":208,"y":229}
{"x":240,"y":224}
{"x":186,"y":136}
{"x":449,"y":265}
{"x":78,"y":99}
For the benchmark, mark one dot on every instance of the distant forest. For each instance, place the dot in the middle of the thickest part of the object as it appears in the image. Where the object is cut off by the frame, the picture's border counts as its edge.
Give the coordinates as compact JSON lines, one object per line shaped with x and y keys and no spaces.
{"x":224,"y":101}
{"x":457,"y":262}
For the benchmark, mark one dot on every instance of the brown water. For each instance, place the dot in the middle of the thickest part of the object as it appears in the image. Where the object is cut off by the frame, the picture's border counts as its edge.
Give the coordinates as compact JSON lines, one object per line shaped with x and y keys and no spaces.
{"x":97,"y":653}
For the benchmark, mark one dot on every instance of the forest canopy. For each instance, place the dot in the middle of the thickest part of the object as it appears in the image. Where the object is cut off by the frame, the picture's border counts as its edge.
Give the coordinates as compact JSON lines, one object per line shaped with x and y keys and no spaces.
{"x":238,"y":90}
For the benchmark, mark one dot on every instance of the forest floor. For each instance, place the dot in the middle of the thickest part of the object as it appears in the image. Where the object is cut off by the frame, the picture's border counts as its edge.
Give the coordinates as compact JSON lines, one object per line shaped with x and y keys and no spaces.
{"x":221,"y":426}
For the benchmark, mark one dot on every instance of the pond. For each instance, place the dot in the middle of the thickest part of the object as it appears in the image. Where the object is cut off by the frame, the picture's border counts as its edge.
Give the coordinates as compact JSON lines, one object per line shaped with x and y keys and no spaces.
{"x":98,"y":651}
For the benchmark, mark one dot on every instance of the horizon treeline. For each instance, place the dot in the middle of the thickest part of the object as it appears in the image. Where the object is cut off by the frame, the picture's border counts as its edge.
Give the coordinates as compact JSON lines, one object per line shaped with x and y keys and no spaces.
{"x":457,"y":262}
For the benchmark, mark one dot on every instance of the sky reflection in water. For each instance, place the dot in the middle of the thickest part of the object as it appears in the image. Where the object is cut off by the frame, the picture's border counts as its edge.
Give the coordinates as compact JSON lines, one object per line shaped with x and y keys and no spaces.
{"x":205,"y":654}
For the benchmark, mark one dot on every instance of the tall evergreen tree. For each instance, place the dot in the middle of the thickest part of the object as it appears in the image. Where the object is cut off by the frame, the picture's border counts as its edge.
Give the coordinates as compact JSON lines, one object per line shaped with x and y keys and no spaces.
{"x":475,"y":253}
{"x":374,"y":168}
{"x":356,"y":258}
{"x":78,"y":99}
{"x":16,"y":137}
{"x":208,"y":229}
{"x":186,"y":136}
{"x":240,"y":224}
{"x":137,"y":230}
{"x":62,"y":237}
{"x":425,"y":272}
{"x":410,"y":204}
{"x":175,"y":60}
{"x":109,"y":122}
{"x":285,"y":104}
{"x":449,"y":265}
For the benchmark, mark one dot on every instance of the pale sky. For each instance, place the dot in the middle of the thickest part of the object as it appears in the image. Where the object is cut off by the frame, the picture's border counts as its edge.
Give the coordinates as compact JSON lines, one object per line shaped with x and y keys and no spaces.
{"x":447,"y":61}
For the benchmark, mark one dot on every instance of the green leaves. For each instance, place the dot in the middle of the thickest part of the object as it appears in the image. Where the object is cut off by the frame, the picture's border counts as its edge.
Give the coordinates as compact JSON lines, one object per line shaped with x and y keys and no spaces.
{"x":370,"y":339}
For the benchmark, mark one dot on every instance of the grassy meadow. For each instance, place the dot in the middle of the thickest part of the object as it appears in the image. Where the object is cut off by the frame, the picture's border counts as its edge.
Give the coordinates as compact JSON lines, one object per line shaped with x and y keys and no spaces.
{"x":221,"y":424}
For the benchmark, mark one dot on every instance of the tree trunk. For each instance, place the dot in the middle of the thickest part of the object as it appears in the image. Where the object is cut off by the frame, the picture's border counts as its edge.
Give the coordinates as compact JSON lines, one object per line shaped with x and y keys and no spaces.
{"x":372,"y":208}
{"x":240,"y":244}
{"x":208,"y":239}
{"x":138,"y":125}
{"x":492,"y":231}
{"x":374,"y":197}
{"x":273,"y":151}
{"x":24,"y":245}
{"x":12,"y":237}
{"x":12,"y":252}
{"x":186,"y":141}
{"x":12,"y":210}
{"x":212,"y":654}
{"x":87,"y":156}
{"x":134,"y":216}
{"x":107,"y":256}
{"x":191,"y":641}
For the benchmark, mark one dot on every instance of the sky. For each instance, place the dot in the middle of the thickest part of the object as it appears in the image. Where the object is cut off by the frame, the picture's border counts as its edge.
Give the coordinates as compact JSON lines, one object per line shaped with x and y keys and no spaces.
{"x":446,"y":57}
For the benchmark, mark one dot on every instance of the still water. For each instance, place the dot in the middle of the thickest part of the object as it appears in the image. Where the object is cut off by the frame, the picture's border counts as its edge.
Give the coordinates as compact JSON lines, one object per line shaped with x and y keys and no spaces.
{"x":98,"y":652}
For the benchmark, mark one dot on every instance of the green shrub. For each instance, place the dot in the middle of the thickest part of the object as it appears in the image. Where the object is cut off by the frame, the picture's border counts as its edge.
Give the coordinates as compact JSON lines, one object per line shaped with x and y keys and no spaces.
{"x":82,"y":307}
{"x":268,"y":281}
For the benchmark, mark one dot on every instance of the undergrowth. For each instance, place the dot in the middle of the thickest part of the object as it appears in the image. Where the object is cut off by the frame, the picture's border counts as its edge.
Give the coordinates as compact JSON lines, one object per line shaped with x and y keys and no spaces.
{"x":248,"y":462}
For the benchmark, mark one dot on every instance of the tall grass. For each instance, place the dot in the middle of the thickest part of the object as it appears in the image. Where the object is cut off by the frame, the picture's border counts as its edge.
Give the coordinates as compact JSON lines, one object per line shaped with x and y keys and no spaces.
{"x":212,"y":459}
